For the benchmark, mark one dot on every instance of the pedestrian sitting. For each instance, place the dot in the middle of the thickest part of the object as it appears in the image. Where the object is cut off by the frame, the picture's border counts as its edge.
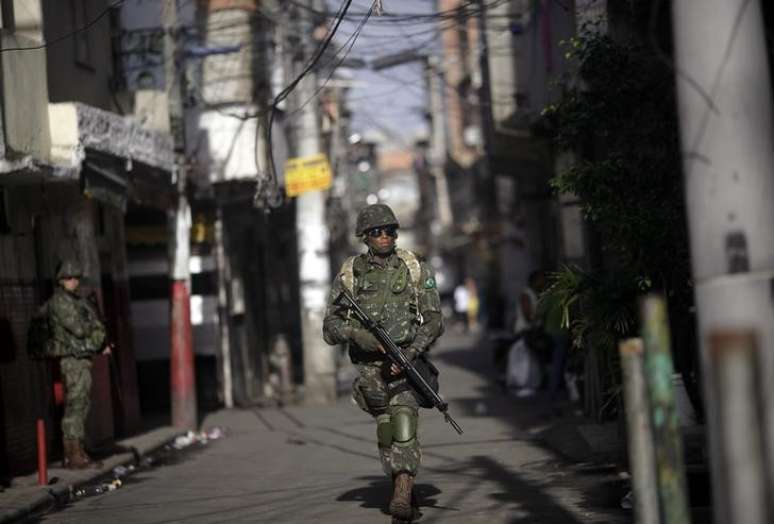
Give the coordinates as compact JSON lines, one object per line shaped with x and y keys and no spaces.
{"x":530,"y":352}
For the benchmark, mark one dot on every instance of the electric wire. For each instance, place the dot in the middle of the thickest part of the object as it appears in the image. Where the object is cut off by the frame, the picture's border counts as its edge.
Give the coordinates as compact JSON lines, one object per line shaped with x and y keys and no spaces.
{"x":268,"y":192}
{"x":466,"y":9}
{"x":61,"y":38}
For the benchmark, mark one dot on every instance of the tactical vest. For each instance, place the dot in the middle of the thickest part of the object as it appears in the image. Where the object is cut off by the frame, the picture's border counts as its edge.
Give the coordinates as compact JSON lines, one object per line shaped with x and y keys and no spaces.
{"x":408,"y":258}
{"x":413,"y":265}
{"x":63,"y":344}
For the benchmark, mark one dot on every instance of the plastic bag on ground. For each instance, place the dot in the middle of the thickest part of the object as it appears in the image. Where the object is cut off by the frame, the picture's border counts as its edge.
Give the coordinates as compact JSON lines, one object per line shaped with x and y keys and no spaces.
{"x":523,"y":370}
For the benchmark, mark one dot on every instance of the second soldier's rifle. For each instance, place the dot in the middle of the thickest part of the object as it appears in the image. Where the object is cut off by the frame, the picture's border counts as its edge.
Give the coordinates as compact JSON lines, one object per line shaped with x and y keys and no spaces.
{"x":397,"y":357}
{"x":115,"y":376}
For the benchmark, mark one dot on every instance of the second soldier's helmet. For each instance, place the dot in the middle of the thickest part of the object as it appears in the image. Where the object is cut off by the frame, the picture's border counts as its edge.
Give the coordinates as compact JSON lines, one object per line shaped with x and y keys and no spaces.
{"x":375,"y":215}
{"x":68,"y":268}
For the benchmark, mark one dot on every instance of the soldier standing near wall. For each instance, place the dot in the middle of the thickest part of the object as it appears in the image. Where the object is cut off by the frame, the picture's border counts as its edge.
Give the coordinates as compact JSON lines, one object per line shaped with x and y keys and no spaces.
{"x":76,"y":335}
{"x":399,"y":292}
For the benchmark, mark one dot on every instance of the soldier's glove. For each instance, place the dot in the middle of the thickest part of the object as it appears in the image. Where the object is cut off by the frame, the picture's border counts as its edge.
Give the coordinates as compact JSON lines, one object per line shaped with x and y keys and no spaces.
{"x":411,"y":353}
{"x":364,"y":339}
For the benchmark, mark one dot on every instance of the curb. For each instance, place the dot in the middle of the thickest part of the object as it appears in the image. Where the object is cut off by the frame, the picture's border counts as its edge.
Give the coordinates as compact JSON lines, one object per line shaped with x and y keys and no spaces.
{"x":136,"y":448}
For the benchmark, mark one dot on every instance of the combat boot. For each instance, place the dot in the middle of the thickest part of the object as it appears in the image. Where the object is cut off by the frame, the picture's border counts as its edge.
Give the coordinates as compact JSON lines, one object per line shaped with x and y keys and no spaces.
{"x":72,"y":458}
{"x":85,"y":458}
{"x":400,"y":505}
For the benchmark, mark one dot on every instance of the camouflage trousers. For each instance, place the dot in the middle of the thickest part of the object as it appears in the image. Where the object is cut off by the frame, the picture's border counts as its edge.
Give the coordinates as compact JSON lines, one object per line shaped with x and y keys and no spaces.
{"x":76,"y":373}
{"x":372,"y":393}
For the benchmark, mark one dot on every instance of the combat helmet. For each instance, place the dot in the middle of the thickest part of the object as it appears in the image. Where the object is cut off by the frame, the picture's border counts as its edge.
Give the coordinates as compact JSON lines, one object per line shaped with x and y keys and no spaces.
{"x":68,"y":268}
{"x":375,"y":215}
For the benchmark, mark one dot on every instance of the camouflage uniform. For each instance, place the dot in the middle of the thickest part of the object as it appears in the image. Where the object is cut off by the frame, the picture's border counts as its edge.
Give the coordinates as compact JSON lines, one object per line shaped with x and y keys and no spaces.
{"x":411,"y":314}
{"x":77,"y":335}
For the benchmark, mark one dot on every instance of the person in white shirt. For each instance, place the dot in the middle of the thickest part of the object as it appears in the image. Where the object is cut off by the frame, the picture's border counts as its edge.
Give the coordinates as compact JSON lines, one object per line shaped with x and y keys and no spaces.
{"x":461,"y":298}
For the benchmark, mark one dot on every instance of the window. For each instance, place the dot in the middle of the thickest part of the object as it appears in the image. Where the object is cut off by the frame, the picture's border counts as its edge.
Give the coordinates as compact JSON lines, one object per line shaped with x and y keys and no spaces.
{"x":82,"y":40}
{"x":5,"y":222}
{"x":7,"y":18}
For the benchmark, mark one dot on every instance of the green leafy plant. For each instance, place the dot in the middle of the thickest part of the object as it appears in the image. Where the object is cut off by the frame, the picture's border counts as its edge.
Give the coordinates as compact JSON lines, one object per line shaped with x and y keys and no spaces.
{"x":617,"y":115}
{"x":597,"y":309}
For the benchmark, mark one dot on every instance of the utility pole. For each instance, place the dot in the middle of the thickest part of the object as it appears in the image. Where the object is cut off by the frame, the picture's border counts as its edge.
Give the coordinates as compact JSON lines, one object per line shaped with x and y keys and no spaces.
{"x":724,"y":94}
{"x":487,"y":128}
{"x":224,"y":321}
{"x":313,"y":236}
{"x":438,"y":139}
{"x":489,"y":212}
{"x":181,"y":359}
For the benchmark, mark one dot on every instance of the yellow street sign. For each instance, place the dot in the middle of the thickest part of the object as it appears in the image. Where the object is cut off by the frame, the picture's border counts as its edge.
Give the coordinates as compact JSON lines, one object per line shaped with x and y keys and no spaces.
{"x":309,"y":173}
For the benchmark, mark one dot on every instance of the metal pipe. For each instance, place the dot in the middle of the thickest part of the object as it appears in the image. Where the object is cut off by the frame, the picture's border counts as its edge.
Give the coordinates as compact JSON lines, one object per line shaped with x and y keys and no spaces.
{"x":40,"y":427}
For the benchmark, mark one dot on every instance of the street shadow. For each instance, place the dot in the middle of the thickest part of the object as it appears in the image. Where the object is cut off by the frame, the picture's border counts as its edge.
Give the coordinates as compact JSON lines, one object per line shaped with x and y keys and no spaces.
{"x":549,"y":425}
{"x":530,"y":501}
{"x":376,"y":495}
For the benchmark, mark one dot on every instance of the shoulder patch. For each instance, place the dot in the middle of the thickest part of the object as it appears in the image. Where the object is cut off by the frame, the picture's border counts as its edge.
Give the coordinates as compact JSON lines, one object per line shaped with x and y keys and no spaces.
{"x":430,"y":283}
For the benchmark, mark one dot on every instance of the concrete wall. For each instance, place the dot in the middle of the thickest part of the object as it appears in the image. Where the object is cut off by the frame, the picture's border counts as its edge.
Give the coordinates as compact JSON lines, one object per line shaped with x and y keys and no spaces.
{"x":230,"y":153}
{"x":503,"y":50}
{"x":457,"y":42}
{"x":81,"y":67}
{"x":228,"y":78}
{"x":540,"y":58}
{"x":24,"y":99}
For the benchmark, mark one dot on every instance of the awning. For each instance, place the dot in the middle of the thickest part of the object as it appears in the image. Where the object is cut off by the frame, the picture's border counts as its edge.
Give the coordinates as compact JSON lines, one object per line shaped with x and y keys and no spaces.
{"x":103,"y":185}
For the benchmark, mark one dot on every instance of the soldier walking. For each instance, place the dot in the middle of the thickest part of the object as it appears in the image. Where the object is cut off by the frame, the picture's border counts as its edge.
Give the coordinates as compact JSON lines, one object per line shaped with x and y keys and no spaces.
{"x":399,"y":292}
{"x":77,"y":335}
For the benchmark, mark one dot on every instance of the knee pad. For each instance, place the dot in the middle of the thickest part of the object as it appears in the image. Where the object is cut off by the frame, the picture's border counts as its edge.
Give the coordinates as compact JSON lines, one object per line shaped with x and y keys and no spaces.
{"x":384,"y":430}
{"x":404,"y":425}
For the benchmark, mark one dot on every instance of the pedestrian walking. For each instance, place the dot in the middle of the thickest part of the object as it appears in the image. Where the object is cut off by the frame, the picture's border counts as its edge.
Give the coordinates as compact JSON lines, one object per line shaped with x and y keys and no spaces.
{"x":473,"y":304}
{"x":399,"y":291}
{"x":76,"y":335}
{"x":461,"y":300}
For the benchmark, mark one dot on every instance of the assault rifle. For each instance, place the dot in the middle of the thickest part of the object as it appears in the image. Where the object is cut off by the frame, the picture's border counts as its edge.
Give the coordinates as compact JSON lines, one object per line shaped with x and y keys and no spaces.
{"x":397,"y":357}
{"x":115,"y":376}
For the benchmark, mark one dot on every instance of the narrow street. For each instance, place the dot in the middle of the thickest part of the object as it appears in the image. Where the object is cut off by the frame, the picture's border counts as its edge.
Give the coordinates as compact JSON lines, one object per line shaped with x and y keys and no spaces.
{"x":307,"y":464}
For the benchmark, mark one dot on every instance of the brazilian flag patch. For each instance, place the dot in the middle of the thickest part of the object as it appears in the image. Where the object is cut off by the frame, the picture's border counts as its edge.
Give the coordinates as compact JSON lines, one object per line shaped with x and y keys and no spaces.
{"x":430,"y":283}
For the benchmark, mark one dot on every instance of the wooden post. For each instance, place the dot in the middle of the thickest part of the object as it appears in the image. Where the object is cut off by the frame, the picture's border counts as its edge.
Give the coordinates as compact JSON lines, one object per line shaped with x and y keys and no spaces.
{"x":742,"y":477}
{"x":640,"y":432}
{"x":667,"y":439}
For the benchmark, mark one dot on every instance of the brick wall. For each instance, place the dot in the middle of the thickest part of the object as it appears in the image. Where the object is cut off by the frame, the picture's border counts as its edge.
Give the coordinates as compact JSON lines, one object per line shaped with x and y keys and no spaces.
{"x":25,"y":385}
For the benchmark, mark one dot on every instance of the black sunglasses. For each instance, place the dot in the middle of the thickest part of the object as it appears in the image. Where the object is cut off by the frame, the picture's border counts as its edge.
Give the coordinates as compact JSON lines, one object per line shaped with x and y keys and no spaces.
{"x":390,"y":231}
